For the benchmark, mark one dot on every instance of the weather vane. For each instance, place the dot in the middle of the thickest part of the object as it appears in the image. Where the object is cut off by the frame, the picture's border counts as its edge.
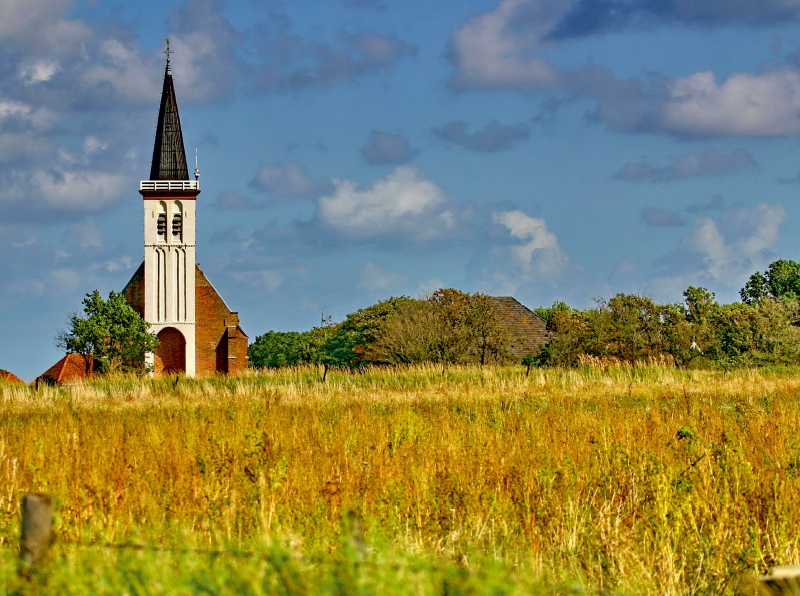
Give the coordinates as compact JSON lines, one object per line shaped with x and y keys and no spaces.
{"x":168,"y":52}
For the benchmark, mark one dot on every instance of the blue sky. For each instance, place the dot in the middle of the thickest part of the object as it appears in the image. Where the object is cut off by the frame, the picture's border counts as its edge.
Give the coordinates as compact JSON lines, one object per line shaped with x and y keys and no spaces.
{"x":357,"y":149}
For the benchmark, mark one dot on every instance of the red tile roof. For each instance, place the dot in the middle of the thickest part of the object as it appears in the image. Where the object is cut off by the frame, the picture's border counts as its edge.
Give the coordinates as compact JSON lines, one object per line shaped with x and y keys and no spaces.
{"x":10,"y":377}
{"x":70,"y":368}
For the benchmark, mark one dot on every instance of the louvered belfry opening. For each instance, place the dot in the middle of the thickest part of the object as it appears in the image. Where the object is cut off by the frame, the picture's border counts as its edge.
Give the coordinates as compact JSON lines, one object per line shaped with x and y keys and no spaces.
{"x":161,"y":226}
{"x":177,"y":226}
{"x":169,"y":155}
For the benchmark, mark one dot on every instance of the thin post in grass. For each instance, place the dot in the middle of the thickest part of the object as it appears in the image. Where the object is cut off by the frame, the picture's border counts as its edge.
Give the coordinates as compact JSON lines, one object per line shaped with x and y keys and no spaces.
{"x":782,"y":581}
{"x":36,"y":533}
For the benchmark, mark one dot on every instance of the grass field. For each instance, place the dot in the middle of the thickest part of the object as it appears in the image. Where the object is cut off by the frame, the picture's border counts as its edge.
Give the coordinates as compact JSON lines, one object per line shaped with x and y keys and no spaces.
{"x":626,"y":480}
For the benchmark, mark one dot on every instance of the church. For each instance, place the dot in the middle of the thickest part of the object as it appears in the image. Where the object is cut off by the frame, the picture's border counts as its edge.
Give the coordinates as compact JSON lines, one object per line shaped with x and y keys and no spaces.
{"x":199,"y":334}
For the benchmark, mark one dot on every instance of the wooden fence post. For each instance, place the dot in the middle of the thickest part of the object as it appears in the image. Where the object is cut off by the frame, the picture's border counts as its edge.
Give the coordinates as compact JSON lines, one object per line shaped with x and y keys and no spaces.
{"x":782,"y":581}
{"x":37,"y":528}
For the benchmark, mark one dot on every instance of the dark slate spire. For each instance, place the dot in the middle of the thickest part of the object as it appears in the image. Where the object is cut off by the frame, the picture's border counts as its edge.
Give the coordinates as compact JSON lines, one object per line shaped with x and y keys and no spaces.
{"x":169,"y":156}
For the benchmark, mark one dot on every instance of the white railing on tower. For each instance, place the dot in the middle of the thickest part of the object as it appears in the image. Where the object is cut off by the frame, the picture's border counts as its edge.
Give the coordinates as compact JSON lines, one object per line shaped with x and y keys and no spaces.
{"x":168,"y":185}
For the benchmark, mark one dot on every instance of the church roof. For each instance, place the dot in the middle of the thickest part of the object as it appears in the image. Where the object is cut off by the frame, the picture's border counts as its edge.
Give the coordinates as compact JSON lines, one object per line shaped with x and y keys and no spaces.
{"x":169,"y":155}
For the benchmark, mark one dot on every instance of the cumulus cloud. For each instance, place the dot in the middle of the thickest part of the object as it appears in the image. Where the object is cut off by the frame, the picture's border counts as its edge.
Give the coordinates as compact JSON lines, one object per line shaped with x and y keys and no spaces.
{"x":661,"y":218}
{"x":744,"y":104}
{"x":492,"y":137}
{"x":403,"y":206}
{"x":690,"y":165}
{"x":57,"y":194}
{"x":722,"y":252}
{"x":506,"y":48}
{"x":386,"y":148}
{"x":498,"y":48}
{"x":527,"y":254}
{"x":288,"y":181}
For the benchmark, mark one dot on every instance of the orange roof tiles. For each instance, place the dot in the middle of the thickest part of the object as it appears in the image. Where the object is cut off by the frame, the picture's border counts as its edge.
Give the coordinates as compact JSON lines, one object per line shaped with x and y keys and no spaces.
{"x":70,"y":368}
{"x":10,"y":377}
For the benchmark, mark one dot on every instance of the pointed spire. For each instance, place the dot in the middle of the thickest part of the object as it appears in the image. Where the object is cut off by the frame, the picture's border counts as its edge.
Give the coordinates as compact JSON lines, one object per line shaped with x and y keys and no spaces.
{"x":169,"y":155}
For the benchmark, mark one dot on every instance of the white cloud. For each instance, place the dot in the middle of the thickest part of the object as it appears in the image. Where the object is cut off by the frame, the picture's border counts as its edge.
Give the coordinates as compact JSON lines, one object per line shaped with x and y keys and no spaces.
{"x":721,"y":253}
{"x":744,"y":242}
{"x":402,"y":205}
{"x":498,"y":48}
{"x":532,"y":257}
{"x":39,"y":71}
{"x":82,"y":190}
{"x":744,"y":104}
{"x":505,"y":48}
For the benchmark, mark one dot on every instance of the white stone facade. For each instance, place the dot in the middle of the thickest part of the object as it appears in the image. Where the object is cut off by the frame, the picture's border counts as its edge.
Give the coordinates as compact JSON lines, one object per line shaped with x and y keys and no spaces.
{"x":169,"y":267}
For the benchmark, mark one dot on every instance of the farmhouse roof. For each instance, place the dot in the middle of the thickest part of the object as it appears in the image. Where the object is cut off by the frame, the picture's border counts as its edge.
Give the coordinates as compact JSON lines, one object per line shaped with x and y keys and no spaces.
{"x":169,"y":155}
{"x":10,"y":377}
{"x":527,"y":330}
{"x":71,"y":367}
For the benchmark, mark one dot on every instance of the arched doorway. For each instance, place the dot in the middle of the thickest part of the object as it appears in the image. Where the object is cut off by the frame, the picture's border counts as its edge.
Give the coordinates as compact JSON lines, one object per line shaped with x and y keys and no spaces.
{"x":170,"y":356}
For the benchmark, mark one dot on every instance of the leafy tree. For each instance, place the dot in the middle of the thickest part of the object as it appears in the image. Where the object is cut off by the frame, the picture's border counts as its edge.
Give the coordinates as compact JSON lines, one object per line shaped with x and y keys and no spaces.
{"x":781,"y":280}
{"x":755,"y":335}
{"x":447,"y":327}
{"x":276,"y":348}
{"x":110,"y":332}
{"x":409,"y":336}
{"x":348,"y":343}
{"x":548,"y":312}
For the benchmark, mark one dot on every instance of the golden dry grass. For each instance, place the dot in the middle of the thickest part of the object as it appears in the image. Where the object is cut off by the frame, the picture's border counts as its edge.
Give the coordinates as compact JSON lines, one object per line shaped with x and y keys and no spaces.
{"x":626,"y":479}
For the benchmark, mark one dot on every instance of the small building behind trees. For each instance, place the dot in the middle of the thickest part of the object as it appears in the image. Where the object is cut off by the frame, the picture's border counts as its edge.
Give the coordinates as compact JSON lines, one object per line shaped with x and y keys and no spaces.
{"x":71,"y":368}
{"x":525,"y":331}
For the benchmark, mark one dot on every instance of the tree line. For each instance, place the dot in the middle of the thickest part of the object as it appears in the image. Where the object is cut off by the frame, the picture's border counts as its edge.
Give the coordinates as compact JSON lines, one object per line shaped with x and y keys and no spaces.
{"x":446,"y":327}
{"x":453,"y":327}
{"x":450,"y":326}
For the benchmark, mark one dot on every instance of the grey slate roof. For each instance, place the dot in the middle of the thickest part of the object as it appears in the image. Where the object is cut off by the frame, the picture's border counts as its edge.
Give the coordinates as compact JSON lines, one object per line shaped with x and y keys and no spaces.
{"x":526,"y":330}
{"x":169,"y":155}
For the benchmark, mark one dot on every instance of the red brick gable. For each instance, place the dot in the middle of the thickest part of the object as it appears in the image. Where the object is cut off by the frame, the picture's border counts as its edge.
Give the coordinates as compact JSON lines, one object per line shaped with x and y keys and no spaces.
{"x":134,"y":291}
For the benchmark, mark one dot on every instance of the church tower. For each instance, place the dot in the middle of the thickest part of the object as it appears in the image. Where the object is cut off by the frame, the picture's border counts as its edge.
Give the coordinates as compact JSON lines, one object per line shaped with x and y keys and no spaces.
{"x":169,"y":240}
{"x":198,"y":333}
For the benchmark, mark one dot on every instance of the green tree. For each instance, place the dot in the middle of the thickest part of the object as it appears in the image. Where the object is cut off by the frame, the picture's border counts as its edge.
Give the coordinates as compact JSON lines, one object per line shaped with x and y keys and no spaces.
{"x":780,"y":281}
{"x":110,"y":332}
{"x":348,"y":343}
{"x":276,"y":348}
{"x":447,"y":327}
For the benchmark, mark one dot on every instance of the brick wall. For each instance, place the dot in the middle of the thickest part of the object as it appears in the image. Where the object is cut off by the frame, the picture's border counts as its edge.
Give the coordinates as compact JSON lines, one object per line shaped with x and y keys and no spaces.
{"x":134,"y":291}
{"x":215,"y":342}
{"x":213,"y":319}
